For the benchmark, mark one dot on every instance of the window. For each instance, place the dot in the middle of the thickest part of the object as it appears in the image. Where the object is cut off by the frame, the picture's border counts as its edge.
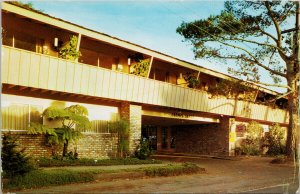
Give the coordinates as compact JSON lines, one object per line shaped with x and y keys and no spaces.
{"x":18,"y":116}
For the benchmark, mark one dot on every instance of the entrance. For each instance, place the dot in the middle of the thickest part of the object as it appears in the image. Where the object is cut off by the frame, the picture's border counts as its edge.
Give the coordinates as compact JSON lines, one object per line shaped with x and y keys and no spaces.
{"x":161,"y":138}
{"x":149,"y":132}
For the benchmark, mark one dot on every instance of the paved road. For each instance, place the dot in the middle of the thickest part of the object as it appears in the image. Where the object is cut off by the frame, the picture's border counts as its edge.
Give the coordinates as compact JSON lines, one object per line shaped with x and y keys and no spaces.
{"x":253,"y":175}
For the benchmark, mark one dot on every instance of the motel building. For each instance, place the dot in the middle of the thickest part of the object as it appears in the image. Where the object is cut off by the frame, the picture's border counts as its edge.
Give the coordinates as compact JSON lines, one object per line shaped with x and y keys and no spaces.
{"x":158,"y":104}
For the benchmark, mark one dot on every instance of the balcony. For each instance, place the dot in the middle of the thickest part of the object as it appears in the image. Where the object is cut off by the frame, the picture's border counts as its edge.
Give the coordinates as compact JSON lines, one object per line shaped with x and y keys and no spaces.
{"x":29,"y":69}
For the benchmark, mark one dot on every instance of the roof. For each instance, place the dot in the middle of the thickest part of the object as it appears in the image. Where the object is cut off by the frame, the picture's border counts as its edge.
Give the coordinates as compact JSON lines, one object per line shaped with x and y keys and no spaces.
{"x":179,"y":61}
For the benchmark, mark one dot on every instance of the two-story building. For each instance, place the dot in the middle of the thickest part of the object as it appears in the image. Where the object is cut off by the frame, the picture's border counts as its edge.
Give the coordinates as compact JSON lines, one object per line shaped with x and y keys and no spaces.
{"x":115,"y":79}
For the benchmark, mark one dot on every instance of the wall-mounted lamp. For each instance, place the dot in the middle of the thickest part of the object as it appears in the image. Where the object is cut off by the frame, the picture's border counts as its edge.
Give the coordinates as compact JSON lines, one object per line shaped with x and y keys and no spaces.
{"x":129,"y":61}
{"x":55,"y":42}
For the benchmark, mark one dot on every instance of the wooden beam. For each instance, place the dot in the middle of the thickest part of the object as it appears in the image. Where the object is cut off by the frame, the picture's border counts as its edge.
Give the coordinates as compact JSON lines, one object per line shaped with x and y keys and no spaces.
{"x":33,"y":89}
{"x":198,"y":75}
{"x":150,"y":66}
{"x":22,"y":87}
{"x":11,"y":86}
{"x":53,"y":92}
{"x":44,"y":91}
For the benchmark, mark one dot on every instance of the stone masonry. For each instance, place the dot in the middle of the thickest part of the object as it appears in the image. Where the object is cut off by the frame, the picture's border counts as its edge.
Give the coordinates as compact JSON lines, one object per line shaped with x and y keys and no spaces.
{"x":206,"y":139}
{"x":133,"y":114}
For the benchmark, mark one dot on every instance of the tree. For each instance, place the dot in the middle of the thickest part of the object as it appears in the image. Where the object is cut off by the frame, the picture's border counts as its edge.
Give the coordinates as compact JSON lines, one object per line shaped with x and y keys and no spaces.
{"x":72,"y":120}
{"x":249,"y":33}
{"x":121,"y":127}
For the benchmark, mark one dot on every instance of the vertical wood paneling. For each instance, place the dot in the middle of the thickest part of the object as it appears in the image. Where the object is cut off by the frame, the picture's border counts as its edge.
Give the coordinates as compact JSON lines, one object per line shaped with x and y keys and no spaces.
{"x":92,"y":81}
{"x":141,"y":89}
{"x":146,"y":91}
{"x":84,"y":79}
{"x":106,"y":83}
{"x":44,"y":72}
{"x":70,"y":77}
{"x":34,"y":70}
{"x":53,"y":74}
{"x":77,"y":78}
{"x":14,"y":67}
{"x":169,"y":95}
{"x":5,"y":64}
{"x":124,"y":87}
{"x":151,"y":91}
{"x":99,"y":82}
{"x":118,"y":86}
{"x":130,"y":87}
{"x":112,"y":84}
{"x":24,"y":69}
{"x":41,"y":71}
{"x":174,"y":95}
{"x":65,"y":73}
{"x":135,"y":92}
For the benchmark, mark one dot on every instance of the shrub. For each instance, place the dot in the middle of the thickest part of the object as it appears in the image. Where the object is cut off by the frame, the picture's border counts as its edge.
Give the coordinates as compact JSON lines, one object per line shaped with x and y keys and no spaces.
{"x":252,"y":144}
{"x":40,"y":178}
{"x":143,"y":150}
{"x":46,"y":162}
{"x":14,"y":161}
{"x":275,"y":140}
{"x":174,"y":170}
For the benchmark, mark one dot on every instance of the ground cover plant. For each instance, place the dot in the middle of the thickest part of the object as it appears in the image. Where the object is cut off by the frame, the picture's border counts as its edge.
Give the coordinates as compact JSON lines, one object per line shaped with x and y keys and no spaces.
{"x":48,"y":162}
{"x":173,"y":170}
{"x":52,"y":177}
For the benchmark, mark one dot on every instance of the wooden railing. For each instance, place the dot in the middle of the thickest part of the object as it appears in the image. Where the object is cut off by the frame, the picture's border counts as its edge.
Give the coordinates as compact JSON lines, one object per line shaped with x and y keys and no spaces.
{"x":25,"y":68}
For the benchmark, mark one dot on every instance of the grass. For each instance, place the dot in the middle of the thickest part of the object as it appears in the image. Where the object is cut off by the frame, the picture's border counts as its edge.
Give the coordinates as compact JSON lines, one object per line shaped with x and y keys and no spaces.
{"x":46,"y":162}
{"x":173,"y":170}
{"x":43,"y":177}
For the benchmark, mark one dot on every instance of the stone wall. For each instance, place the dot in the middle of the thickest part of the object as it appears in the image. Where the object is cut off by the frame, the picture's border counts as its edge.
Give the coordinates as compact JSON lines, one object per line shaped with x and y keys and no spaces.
{"x":93,"y":145}
{"x":206,"y":139}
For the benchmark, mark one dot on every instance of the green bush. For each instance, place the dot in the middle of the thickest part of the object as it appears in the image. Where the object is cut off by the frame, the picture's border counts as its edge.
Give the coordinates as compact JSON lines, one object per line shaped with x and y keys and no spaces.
{"x":173,"y":170}
{"x":14,"y":161}
{"x":252,"y":144}
{"x":41,"y":178}
{"x":275,"y":140}
{"x":47,"y":162}
{"x":143,"y":150}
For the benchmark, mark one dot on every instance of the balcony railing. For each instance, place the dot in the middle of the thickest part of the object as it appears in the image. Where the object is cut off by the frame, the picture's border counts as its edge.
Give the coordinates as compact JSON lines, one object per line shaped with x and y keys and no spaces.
{"x":25,"y":68}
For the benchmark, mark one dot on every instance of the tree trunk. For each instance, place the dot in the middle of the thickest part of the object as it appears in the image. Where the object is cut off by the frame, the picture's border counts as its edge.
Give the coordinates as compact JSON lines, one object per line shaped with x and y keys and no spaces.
{"x":65,"y":150}
{"x":291,"y":142}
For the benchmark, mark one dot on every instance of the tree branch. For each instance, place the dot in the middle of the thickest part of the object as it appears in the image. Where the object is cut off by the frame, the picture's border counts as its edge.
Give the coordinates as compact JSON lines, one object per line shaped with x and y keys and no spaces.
{"x":255,"y":60}
{"x":275,"y":85}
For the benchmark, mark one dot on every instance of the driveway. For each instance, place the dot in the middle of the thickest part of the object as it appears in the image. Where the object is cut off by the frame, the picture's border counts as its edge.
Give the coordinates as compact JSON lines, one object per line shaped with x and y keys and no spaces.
{"x":249,"y":175}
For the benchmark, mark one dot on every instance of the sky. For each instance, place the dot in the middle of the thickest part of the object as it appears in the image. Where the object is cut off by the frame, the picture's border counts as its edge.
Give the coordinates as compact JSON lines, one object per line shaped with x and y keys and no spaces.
{"x":151,"y":24}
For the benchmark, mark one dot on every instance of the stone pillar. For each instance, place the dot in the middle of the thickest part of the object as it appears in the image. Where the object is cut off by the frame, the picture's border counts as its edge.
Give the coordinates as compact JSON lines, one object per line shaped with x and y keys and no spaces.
{"x":169,"y":138}
{"x":159,"y":138}
{"x":226,"y":136}
{"x":132,"y":114}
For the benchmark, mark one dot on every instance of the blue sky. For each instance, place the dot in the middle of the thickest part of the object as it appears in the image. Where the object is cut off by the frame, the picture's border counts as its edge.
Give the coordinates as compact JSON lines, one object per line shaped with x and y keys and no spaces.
{"x":151,"y":24}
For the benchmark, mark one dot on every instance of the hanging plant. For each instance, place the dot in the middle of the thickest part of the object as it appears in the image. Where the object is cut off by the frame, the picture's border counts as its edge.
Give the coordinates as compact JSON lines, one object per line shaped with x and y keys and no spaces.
{"x":68,"y":51}
{"x":192,"y":80}
{"x":141,"y":68}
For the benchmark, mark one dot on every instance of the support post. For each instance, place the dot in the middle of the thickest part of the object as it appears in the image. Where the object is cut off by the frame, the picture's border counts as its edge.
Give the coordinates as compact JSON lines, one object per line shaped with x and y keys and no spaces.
{"x":78,"y":44}
{"x":150,"y":66}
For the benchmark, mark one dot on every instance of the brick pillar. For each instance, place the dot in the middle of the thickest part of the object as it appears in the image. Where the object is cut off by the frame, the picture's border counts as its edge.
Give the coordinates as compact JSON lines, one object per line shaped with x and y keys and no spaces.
{"x":133,"y":114}
{"x":226,"y":126}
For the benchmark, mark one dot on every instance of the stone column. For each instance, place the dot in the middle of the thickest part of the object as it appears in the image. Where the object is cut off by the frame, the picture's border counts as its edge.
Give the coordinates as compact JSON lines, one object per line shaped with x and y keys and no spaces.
{"x":159,"y":138}
{"x":132,"y":114}
{"x":227,"y":127}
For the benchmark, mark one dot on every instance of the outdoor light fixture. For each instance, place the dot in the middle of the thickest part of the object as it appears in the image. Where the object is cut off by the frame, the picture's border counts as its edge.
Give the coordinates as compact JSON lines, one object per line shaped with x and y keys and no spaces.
{"x":55,"y":42}
{"x":129,"y":61}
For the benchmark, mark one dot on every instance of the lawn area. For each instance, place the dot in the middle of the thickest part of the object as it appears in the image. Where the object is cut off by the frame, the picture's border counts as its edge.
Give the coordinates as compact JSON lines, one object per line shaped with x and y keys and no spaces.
{"x":45,"y":177}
